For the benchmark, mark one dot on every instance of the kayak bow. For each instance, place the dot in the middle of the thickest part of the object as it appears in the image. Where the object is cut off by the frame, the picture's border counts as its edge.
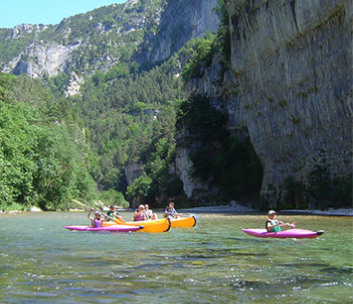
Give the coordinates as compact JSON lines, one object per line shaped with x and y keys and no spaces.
{"x":184,"y":222}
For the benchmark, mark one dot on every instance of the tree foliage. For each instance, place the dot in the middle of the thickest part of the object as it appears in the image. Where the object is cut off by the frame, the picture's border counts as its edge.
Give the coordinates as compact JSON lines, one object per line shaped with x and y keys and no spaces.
{"x":43,"y":154}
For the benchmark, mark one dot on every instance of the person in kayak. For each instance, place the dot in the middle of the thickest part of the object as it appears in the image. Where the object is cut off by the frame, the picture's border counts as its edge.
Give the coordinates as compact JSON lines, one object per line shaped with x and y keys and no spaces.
{"x":273,"y":225}
{"x":140,"y":214}
{"x":112,"y":213}
{"x":170,"y":211}
{"x":149,"y":213}
{"x":96,"y":221}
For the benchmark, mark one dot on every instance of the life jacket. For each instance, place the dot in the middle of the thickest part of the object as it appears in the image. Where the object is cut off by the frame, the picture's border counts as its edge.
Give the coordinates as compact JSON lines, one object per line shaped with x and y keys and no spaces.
{"x":112,"y":215}
{"x":274,"y":222}
{"x":97,"y":223}
{"x":139,"y":217}
{"x":169,"y":212}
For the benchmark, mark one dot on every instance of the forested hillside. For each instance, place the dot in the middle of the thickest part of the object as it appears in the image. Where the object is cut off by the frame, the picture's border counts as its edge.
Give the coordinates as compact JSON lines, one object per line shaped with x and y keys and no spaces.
{"x":82,"y":44}
{"x":44,"y":150}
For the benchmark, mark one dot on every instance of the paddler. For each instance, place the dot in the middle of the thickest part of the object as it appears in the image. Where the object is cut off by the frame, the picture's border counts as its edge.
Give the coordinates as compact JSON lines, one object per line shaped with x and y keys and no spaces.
{"x":112,"y":214}
{"x":140,"y":215}
{"x":149,"y":213}
{"x":274,"y":225}
{"x":170,"y":211}
{"x":96,"y":221}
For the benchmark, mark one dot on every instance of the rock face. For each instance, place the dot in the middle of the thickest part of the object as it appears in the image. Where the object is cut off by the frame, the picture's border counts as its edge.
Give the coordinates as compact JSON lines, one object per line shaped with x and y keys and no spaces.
{"x":73,"y":85}
{"x":133,"y":170}
{"x":292,"y":63}
{"x":180,"y":21}
{"x":23,"y":29}
{"x":35,"y":209}
{"x":192,"y":188}
{"x":40,"y":58}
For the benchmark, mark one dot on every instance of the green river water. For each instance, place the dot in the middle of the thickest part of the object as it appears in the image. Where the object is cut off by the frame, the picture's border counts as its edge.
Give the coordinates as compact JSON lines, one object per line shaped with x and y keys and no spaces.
{"x":215,"y":262}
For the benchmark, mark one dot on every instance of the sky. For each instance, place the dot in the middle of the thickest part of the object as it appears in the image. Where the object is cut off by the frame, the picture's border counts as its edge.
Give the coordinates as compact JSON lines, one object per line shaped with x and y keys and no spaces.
{"x":15,"y":12}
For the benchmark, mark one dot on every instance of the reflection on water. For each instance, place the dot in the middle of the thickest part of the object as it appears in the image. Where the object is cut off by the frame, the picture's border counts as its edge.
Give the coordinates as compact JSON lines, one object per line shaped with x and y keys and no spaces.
{"x":215,"y":262}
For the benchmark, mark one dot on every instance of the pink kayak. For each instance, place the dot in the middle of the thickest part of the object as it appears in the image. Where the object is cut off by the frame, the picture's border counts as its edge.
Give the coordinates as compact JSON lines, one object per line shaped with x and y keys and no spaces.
{"x":112,"y":228}
{"x":290,"y":233}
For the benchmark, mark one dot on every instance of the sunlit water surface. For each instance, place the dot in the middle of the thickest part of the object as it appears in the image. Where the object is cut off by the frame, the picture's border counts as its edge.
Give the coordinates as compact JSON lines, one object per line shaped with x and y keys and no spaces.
{"x":215,"y":262}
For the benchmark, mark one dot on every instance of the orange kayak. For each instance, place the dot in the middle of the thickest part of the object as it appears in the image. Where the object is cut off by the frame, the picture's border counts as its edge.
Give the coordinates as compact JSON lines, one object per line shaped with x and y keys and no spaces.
{"x":162,"y":225}
{"x":184,"y":222}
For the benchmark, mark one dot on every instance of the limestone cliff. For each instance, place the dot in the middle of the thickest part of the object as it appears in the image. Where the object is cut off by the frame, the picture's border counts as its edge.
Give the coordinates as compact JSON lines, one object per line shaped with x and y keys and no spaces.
{"x":180,"y":21}
{"x":133,"y":170}
{"x":41,"y":58}
{"x":292,"y":61}
{"x":288,"y":90}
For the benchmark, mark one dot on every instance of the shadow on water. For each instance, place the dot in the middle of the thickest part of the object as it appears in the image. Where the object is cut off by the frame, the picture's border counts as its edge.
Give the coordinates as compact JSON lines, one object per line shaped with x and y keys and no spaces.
{"x":304,"y":265}
{"x":244,"y":284}
{"x":336,"y":270}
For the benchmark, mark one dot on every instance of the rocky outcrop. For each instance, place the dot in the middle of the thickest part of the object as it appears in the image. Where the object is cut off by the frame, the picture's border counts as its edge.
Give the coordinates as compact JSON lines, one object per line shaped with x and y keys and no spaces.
{"x":25,"y":29}
{"x":133,"y":170}
{"x":292,"y":64}
{"x":74,"y":84}
{"x":180,"y":21}
{"x":191,"y":186}
{"x":41,"y":58}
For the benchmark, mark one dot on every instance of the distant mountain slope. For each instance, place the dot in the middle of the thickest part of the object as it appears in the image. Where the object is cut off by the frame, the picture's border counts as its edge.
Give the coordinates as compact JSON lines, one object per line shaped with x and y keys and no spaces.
{"x":145,"y":30}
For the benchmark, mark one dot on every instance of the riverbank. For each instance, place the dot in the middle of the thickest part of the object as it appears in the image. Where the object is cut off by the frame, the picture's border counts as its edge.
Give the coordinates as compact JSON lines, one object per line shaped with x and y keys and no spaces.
{"x":224,"y":209}
{"x":231,"y":209}
{"x":330,"y":212}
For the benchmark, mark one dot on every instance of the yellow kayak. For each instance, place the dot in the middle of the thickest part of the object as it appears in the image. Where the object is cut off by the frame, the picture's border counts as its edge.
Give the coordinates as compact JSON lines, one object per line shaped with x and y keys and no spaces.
{"x":184,"y":222}
{"x":162,"y":225}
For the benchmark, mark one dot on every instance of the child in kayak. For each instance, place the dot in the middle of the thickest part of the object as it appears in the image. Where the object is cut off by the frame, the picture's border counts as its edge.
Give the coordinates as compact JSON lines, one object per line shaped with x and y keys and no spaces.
{"x":140,"y":215}
{"x":112,"y":213}
{"x":96,"y":221}
{"x":273,"y":225}
{"x":170,"y":211}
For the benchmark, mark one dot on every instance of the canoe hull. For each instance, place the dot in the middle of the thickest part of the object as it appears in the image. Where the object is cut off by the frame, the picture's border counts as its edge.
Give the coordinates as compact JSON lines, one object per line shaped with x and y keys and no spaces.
{"x":112,"y":228}
{"x":184,"y":222}
{"x":291,"y":233}
{"x":154,"y":226}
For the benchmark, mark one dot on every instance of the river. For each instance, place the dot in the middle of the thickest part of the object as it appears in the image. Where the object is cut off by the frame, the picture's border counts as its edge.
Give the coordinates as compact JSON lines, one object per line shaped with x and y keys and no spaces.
{"x":215,"y":262}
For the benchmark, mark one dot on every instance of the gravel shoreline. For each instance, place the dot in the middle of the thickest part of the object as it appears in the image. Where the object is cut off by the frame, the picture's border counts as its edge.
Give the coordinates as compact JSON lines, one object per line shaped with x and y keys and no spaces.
{"x":234,"y":209}
{"x":247,"y":210}
{"x":330,"y":212}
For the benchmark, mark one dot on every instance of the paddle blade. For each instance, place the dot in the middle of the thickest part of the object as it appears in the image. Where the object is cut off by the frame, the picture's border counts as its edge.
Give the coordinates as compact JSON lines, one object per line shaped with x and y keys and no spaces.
{"x":119,"y":221}
{"x":78,"y":202}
